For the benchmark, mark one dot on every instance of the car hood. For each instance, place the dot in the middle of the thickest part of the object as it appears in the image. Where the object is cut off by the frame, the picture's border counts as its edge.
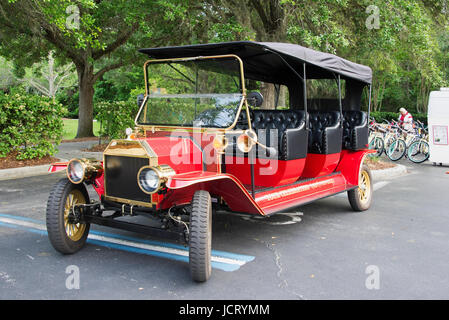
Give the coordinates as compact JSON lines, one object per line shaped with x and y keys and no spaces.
{"x":180,"y":153}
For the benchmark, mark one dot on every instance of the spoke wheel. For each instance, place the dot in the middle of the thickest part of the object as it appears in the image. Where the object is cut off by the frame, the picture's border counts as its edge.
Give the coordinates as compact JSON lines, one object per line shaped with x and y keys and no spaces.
{"x":376,"y":143}
{"x":73,"y":230}
{"x":418,"y":151}
{"x":397,"y":150}
{"x":66,"y":231}
{"x":360,"y":198}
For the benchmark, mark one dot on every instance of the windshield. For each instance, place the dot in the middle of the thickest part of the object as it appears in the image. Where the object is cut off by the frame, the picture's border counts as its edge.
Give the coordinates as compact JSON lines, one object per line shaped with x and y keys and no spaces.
{"x":203,"y":92}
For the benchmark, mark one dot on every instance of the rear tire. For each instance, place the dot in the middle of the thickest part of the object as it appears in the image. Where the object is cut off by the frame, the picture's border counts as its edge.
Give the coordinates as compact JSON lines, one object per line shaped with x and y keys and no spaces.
{"x":360,"y":198}
{"x":200,"y":237}
{"x":66,"y":237}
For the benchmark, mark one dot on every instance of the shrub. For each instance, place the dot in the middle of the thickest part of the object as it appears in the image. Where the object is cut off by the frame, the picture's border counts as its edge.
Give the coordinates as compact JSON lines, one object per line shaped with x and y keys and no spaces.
{"x":29,"y":124}
{"x":116,"y":117}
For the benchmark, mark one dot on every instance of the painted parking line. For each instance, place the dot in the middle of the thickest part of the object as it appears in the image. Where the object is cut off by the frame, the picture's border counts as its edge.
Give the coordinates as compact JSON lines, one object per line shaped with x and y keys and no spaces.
{"x":226,"y":261}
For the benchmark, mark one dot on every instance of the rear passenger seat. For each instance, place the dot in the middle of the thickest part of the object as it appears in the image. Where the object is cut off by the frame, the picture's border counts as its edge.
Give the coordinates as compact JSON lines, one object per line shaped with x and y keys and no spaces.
{"x":325,"y":132}
{"x":291,"y":132}
{"x":355,"y":130}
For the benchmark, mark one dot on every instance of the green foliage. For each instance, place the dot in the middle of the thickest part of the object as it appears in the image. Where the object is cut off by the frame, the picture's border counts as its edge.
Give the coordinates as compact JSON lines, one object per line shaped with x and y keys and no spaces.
{"x":70,"y":102}
{"x":29,"y":124}
{"x":116,"y":117}
{"x":116,"y":85}
{"x":409,"y":53}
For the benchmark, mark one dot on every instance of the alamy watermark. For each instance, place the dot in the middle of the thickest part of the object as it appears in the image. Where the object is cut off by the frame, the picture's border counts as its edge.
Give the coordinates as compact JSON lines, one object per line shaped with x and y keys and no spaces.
{"x":372,"y":282}
{"x":73,"y":280}
{"x":73,"y":20}
{"x":373,"y":20}
{"x":200,"y":149}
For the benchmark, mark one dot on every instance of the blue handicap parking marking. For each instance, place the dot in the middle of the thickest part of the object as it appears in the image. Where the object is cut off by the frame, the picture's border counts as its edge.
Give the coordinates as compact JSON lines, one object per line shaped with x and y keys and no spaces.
{"x":222,"y":260}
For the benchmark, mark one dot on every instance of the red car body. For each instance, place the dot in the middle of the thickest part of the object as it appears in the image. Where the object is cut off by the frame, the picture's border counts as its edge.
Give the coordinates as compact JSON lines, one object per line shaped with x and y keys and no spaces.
{"x":169,"y":171}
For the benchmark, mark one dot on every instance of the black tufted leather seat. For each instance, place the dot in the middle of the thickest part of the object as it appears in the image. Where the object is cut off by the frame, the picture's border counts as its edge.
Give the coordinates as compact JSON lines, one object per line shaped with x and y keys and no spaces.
{"x":326,"y":133}
{"x":283,"y":129}
{"x":355,"y":130}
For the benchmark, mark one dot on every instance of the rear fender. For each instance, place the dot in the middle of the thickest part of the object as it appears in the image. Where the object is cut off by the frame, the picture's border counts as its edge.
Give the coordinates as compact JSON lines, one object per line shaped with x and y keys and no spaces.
{"x":351,"y":163}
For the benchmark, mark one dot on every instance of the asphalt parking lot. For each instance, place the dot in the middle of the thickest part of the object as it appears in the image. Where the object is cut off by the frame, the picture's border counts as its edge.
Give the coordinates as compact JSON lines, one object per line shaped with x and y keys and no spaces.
{"x":319,"y":251}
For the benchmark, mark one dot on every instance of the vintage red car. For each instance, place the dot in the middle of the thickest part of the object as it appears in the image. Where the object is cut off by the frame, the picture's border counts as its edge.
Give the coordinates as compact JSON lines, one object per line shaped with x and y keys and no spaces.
{"x":247,"y":127}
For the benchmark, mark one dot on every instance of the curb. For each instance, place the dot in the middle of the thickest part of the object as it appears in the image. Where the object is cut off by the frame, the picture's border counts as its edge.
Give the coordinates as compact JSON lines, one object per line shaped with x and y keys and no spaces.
{"x":24,"y":172}
{"x":390,"y":173}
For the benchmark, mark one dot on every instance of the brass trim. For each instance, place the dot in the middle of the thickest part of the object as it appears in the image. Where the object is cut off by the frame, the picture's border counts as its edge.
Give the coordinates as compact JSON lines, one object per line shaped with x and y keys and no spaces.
{"x":162,"y":127}
{"x":131,"y":202}
{"x":148,"y":152}
{"x":152,"y":161}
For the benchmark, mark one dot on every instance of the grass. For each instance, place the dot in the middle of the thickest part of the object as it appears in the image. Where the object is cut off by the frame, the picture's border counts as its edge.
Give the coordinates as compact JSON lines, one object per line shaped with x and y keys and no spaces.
{"x":71,"y":127}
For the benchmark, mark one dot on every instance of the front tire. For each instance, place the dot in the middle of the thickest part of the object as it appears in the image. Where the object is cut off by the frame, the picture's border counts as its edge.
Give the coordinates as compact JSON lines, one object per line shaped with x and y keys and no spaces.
{"x":361,"y":197}
{"x":200,"y":237}
{"x":65,"y":235}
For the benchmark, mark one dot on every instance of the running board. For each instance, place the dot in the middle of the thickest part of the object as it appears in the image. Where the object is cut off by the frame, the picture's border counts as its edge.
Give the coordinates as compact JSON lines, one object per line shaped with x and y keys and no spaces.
{"x":301,"y":193}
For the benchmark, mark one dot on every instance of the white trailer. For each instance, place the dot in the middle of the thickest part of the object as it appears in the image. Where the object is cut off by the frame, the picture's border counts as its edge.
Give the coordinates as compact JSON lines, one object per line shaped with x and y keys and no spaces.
{"x":438,"y":123}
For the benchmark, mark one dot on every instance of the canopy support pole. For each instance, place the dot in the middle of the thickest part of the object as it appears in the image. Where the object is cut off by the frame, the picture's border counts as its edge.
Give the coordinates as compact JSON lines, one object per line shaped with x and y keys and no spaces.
{"x":339,"y":101}
{"x":304,"y":80}
{"x":369,"y":100}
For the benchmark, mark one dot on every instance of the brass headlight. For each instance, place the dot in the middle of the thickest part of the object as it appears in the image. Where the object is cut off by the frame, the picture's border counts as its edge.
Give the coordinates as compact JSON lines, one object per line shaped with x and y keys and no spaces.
{"x":79,"y":170}
{"x":151,"y":179}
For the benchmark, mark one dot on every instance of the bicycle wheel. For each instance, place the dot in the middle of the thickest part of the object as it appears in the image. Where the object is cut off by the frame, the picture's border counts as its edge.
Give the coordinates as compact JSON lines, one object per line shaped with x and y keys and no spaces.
{"x":377,"y":143}
{"x":396,"y":150}
{"x":387,"y":143}
{"x":418,"y":151}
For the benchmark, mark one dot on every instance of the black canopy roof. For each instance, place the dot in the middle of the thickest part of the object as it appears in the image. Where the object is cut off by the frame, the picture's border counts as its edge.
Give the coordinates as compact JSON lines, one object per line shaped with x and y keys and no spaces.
{"x":266,"y":60}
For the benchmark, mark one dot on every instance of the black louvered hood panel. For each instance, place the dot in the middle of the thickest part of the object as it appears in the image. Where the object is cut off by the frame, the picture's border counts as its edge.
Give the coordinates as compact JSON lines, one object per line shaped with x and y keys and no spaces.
{"x":121,"y":177}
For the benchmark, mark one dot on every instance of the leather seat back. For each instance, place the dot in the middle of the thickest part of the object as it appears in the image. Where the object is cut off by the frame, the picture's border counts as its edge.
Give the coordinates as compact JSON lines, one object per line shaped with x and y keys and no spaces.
{"x":355,"y":130}
{"x":282,"y":129}
{"x":325,"y":132}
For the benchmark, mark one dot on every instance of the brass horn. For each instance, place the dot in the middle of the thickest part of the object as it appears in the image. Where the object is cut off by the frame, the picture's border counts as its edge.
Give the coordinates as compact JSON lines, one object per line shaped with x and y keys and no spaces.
{"x":247,"y":140}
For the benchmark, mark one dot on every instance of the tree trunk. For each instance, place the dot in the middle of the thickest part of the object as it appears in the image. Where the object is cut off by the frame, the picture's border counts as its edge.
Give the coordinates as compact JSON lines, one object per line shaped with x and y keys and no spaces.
{"x":268,"y":92}
{"x":86,"y":106}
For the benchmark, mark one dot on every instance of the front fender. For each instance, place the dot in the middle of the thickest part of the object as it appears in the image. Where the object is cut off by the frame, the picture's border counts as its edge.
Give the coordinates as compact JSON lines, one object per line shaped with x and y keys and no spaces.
{"x":181,"y":188}
{"x":99,"y":181}
{"x":57,"y":166}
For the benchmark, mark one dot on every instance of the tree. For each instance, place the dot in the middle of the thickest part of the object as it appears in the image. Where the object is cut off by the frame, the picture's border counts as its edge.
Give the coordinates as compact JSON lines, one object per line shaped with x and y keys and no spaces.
{"x":96,"y":35}
{"x":48,"y":77}
{"x":402,"y":50}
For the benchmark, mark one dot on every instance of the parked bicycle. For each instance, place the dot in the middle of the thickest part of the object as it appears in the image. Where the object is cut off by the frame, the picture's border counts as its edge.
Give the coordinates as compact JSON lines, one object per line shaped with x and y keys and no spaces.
{"x":412,"y":144}
{"x":418,"y":151}
{"x":376,"y":141}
